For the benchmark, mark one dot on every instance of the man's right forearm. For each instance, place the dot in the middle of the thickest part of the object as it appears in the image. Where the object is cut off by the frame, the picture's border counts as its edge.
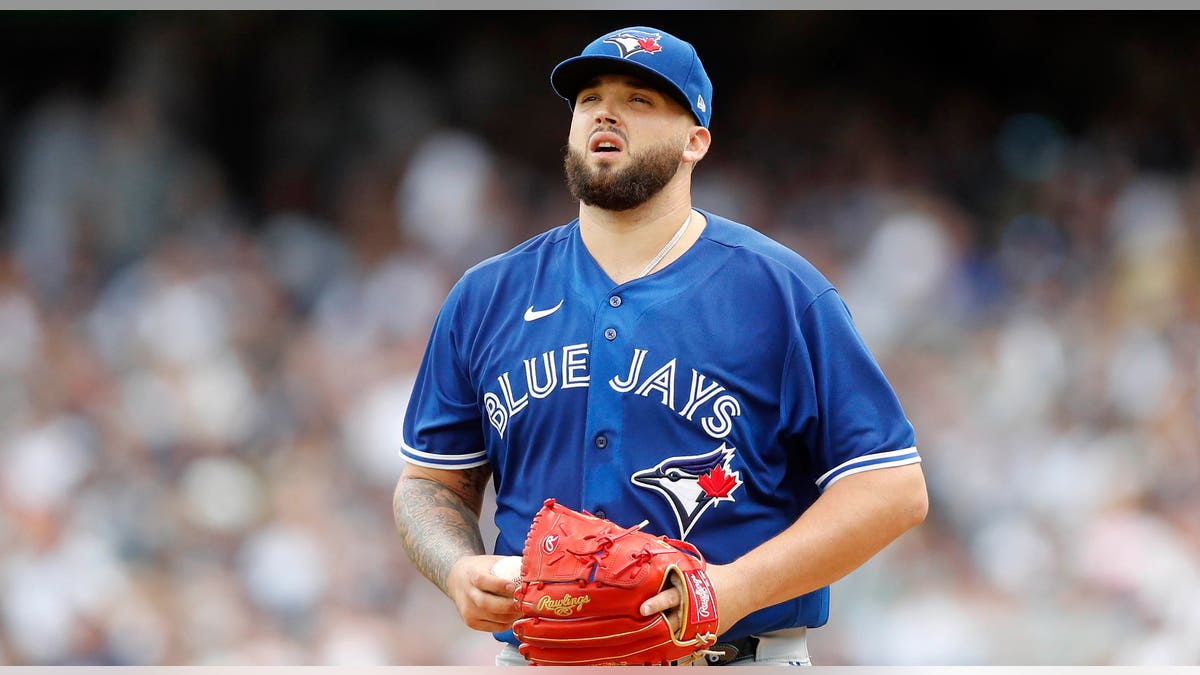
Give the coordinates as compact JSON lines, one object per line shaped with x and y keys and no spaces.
{"x":438,"y":524}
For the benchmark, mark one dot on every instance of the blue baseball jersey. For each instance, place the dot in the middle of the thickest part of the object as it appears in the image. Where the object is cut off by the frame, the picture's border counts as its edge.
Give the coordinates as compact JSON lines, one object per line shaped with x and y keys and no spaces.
{"x":716,"y":398}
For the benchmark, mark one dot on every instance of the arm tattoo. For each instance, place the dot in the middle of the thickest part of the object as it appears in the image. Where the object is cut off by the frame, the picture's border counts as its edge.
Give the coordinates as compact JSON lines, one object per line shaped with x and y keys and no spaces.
{"x":439,"y":524}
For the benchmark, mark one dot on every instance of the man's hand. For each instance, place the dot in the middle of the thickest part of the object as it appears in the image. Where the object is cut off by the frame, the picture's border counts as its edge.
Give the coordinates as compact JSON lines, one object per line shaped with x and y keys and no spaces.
{"x":723,"y":581}
{"x":484,"y":600}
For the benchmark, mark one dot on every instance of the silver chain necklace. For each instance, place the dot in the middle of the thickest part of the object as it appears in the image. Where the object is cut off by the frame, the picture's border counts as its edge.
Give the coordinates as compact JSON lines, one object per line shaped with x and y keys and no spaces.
{"x":666,"y":249}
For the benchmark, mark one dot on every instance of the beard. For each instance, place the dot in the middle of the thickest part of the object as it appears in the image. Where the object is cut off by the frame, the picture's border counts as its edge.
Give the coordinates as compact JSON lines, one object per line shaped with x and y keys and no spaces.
{"x":622,"y":189}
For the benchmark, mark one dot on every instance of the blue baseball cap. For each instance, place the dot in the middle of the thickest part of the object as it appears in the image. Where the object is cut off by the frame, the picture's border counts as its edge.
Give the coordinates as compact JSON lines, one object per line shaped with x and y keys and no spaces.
{"x":662,"y":59}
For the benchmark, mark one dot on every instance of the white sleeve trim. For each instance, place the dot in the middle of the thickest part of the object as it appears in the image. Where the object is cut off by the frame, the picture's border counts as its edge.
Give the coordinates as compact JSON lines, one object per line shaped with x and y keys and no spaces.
{"x":878,"y":460}
{"x":436,"y":461}
{"x":443,"y":465}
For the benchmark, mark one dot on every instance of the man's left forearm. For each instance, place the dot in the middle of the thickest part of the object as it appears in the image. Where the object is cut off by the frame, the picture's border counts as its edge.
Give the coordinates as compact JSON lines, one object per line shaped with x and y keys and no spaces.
{"x":854,"y":519}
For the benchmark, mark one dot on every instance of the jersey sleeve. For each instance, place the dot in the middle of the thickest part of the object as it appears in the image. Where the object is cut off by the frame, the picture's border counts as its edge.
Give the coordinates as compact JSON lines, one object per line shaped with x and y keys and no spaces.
{"x":838,"y":401}
{"x":443,"y":424}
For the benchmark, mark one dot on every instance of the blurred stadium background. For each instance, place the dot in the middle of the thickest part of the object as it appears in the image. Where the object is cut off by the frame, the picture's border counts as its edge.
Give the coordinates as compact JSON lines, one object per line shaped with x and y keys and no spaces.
{"x":225,"y":235}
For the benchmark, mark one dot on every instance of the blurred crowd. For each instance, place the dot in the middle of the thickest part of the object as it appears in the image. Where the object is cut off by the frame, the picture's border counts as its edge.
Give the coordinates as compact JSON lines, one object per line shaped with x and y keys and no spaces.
{"x":201,"y":402}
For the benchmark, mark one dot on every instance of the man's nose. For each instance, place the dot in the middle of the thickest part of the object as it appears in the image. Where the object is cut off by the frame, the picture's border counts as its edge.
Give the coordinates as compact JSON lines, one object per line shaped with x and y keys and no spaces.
{"x":607,"y":117}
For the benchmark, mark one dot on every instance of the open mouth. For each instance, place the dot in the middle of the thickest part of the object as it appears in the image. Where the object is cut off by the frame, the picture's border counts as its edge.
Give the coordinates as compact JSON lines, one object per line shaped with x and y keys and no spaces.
{"x":606,"y":143}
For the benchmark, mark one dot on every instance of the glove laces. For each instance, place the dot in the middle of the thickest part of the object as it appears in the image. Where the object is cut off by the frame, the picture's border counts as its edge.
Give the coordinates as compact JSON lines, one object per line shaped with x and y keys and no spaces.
{"x":604,"y":542}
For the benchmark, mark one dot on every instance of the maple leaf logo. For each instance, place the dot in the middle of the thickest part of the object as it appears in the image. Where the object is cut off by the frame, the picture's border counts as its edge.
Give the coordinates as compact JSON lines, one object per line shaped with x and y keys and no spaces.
{"x":649,"y":44}
{"x":717,"y":484}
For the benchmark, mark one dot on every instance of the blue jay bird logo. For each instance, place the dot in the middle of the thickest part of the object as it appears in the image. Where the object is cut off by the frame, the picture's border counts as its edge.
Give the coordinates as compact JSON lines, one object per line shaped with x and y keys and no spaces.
{"x":635,"y":42}
{"x":692,"y":484}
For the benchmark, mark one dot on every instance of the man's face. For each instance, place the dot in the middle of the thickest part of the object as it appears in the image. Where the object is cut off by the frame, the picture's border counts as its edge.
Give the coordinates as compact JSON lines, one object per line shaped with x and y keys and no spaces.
{"x":626,"y":142}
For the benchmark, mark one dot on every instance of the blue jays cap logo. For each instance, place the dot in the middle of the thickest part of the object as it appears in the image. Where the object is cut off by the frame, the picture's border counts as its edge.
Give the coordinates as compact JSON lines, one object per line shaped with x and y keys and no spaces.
{"x":692,"y":484}
{"x":632,"y":42}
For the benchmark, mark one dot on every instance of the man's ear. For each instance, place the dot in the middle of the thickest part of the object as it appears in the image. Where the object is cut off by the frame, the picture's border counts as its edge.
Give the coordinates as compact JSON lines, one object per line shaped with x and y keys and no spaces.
{"x":699,"y":138}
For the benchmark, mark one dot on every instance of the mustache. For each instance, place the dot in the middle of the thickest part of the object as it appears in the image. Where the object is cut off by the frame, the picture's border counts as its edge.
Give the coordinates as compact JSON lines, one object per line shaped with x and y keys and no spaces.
{"x":608,"y":128}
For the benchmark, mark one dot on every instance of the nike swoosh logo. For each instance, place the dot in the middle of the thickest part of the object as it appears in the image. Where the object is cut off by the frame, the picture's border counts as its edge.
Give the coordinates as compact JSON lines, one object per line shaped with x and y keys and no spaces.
{"x":533,"y":315}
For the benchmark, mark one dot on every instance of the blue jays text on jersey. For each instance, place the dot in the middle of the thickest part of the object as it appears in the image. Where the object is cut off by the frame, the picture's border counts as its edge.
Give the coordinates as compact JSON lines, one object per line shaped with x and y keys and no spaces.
{"x":716,"y":398}
{"x":542,"y":379}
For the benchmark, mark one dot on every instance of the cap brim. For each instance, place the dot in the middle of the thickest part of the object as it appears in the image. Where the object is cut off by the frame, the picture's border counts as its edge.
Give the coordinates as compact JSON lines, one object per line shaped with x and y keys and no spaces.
{"x":571,"y":75}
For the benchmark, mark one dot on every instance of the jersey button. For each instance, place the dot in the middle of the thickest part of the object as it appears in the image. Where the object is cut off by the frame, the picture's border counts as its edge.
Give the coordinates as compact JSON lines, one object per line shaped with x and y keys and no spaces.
{"x":601,"y":441}
{"x":610,"y":334}
{"x":614,"y":301}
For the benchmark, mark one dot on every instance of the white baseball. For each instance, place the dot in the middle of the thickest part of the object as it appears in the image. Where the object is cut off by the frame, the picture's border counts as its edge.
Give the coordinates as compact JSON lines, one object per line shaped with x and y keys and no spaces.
{"x":508,"y":567}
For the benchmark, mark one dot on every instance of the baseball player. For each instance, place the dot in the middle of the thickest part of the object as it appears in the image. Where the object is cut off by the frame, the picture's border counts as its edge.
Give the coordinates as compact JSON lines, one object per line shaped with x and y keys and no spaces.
{"x":652,"y":361}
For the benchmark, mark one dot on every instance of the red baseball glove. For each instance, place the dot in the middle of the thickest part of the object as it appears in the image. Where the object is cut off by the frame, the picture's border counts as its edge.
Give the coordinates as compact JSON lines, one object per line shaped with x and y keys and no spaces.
{"x":583,"y":579}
